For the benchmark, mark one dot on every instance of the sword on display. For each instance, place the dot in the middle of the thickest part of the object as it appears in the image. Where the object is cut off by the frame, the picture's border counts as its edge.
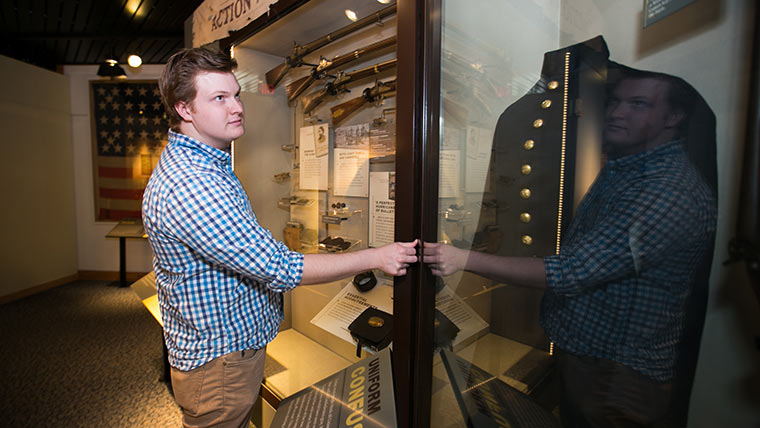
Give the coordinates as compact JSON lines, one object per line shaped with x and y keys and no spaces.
{"x":325,"y":66}
{"x":275,"y":75}
{"x":311,"y":101}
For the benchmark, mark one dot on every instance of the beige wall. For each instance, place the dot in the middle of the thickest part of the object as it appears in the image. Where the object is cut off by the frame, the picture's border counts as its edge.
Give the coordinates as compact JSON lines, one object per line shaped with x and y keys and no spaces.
{"x":95,"y":252}
{"x":38,"y":243}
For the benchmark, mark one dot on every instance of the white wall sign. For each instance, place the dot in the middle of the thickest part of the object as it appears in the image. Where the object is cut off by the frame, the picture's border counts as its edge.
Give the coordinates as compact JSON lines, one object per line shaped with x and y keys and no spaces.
{"x":214,"y":19}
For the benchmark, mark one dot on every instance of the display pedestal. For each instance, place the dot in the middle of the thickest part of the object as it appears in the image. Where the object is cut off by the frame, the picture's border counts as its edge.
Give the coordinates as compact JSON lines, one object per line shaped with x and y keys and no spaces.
{"x":127,"y":228}
{"x":145,"y":288}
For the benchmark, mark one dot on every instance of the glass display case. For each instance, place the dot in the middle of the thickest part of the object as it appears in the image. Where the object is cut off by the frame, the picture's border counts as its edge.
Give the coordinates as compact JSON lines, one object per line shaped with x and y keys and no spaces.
{"x":491,"y":133}
{"x":318,"y":161}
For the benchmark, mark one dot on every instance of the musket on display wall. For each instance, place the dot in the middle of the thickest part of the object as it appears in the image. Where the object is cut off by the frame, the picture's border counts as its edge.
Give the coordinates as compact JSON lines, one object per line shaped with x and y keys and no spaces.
{"x":275,"y":75}
{"x":325,"y":66}
{"x":311,"y":101}
{"x":380,"y":91}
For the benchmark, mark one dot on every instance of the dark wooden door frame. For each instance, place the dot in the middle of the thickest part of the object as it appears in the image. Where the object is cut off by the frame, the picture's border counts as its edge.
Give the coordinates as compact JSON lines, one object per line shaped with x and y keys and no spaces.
{"x":418,"y":110}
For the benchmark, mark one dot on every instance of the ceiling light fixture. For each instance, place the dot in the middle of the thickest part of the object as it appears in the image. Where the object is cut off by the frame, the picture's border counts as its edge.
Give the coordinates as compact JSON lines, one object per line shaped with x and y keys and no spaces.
{"x":384,"y":1}
{"x":134,"y":61}
{"x":350,"y":14}
{"x":110,"y":68}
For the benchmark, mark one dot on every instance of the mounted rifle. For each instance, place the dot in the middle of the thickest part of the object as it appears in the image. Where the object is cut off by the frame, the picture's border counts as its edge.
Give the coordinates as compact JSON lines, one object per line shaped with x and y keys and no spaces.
{"x":275,"y":75}
{"x":311,"y":101}
{"x":325,"y":66}
{"x":380,"y":91}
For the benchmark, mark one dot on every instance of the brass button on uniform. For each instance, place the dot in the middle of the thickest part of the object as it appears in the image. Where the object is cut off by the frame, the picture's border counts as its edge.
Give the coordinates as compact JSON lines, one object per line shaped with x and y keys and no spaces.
{"x":546,"y":103}
{"x":538,"y":123}
{"x":553,"y":85}
{"x":525,"y":193}
{"x":529,"y":144}
{"x":526,"y":169}
{"x":527,"y":240}
{"x":525,"y":217}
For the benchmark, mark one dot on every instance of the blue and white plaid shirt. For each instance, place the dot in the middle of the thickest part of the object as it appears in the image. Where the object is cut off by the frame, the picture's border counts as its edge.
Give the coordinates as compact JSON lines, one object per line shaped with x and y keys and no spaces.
{"x":219,"y":274}
{"x":618,"y":287}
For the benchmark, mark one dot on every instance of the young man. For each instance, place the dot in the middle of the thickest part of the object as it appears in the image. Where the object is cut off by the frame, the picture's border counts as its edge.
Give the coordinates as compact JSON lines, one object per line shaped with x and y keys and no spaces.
{"x":615,"y":295}
{"x":220,"y":275}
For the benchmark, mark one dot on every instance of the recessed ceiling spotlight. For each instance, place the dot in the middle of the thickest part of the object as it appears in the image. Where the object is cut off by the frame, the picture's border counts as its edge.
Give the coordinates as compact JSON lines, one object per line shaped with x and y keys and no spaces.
{"x":134,"y":61}
{"x":350,"y":14}
{"x":384,"y":1}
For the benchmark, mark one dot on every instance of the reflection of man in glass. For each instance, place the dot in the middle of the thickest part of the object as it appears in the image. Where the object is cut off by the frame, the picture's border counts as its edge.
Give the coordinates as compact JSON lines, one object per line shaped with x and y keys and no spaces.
{"x":615,"y":294}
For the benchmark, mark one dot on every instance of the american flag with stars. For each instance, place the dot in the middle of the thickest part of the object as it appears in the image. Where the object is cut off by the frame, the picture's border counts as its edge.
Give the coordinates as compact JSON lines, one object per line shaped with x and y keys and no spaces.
{"x":130,"y":130}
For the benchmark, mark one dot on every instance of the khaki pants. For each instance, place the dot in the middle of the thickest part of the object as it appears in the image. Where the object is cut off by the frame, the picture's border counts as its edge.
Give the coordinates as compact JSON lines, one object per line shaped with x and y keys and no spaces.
{"x":220,"y":393}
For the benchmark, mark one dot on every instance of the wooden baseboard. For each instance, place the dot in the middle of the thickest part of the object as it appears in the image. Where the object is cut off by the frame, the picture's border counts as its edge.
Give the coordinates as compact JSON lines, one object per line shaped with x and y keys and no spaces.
{"x":92,"y":275}
{"x":102,"y":275}
{"x":37,"y":289}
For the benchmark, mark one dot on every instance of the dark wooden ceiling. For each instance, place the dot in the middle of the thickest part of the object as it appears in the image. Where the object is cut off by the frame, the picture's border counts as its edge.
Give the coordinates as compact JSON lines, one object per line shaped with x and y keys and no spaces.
{"x":51,"y":33}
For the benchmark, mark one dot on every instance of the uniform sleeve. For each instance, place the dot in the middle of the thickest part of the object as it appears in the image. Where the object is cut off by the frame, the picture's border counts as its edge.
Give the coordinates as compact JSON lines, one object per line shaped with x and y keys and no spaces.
{"x":207,"y":215}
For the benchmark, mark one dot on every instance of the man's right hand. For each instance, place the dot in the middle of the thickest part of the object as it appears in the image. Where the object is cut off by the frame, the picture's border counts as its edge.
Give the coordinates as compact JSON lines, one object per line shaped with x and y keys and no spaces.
{"x":395,"y":258}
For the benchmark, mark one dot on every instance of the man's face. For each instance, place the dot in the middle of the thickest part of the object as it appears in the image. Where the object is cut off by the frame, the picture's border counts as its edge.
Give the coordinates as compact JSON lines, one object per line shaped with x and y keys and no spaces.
{"x":215,"y":116}
{"x":638,"y":117}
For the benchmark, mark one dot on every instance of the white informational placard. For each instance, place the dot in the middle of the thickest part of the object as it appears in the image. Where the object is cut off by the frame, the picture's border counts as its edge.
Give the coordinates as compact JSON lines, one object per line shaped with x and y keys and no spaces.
{"x":313,"y":169}
{"x":461,"y":314}
{"x":449,"y":174}
{"x":382,"y":137}
{"x":477,"y":160}
{"x":382,"y":208}
{"x":348,"y":304}
{"x":351,"y":161}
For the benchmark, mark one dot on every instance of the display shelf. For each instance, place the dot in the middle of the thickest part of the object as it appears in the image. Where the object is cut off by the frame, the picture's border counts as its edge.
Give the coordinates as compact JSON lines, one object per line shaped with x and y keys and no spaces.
{"x":339,"y":216}
{"x":145,"y":288}
{"x":345,"y":245}
{"x":287,"y":201}
{"x":305,"y":362}
{"x":503,"y":357}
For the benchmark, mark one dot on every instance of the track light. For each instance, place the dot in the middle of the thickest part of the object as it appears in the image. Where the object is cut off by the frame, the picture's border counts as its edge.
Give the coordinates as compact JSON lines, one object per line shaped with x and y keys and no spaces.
{"x":108,"y":69}
{"x":134,"y":61}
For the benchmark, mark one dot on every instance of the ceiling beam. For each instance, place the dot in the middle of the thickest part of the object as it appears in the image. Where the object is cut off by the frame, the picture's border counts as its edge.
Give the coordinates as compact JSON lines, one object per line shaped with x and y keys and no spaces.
{"x":90,"y":36}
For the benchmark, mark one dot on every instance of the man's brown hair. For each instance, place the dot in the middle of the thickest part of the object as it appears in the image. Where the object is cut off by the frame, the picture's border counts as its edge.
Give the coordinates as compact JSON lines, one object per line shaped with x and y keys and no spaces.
{"x":177,"y":81}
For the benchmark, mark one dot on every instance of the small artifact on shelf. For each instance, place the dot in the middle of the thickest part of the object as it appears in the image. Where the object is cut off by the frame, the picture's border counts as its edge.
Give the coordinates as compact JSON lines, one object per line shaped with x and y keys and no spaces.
{"x":334,"y":244}
{"x":292,"y":235}
{"x":281,"y":177}
{"x":456,"y":213}
{"x":373,"y":328}
{"x":365,"y":281}
{"x":286,"y":201}
{"x":339,"y":207}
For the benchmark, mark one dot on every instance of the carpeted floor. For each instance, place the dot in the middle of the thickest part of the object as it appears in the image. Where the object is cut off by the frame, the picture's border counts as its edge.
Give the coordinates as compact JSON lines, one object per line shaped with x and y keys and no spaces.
{"x":85,"y":354}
